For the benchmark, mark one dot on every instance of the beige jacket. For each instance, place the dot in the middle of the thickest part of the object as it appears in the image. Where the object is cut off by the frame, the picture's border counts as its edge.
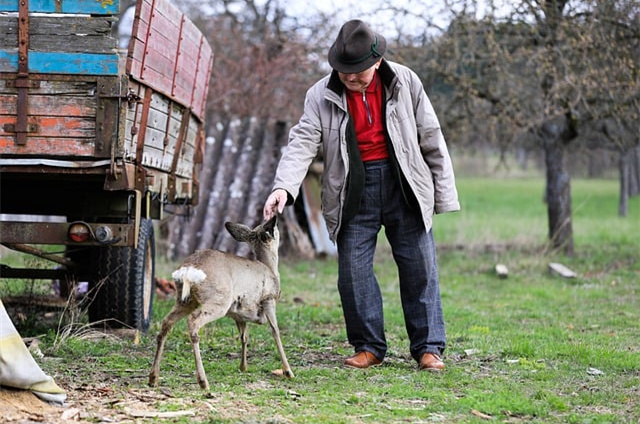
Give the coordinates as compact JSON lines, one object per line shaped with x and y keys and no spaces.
{"x":412,"y":127}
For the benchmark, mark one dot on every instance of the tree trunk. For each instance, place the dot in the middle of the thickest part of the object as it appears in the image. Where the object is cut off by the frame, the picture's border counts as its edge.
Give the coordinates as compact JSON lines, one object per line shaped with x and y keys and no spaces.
{"x":634,"y":172}
{"x":629,"y":170}
{"x":624,"y":169}
{"x":558,"y":191}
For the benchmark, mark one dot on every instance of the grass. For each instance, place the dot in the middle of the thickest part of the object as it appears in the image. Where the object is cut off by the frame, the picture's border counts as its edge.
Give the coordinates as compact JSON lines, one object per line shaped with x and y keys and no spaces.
{"x":531,"y":348}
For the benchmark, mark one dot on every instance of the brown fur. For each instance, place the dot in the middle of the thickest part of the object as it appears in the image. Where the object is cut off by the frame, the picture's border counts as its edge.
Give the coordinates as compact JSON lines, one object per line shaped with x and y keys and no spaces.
{"x":212,"y":284}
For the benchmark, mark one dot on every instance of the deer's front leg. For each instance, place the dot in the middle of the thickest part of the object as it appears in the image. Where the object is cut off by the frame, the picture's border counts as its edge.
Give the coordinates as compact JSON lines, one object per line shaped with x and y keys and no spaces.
{"x":270,"y":313}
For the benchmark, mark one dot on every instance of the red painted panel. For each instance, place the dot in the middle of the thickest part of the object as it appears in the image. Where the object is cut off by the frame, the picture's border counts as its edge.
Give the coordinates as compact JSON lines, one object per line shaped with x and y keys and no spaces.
{"x":47,"y":105}
{"x":175,"y":65}
{"x":41,"y":146}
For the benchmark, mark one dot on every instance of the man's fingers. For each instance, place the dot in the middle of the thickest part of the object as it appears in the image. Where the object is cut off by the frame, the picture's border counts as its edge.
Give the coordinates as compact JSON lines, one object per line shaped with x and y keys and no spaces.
{"x":281,"y":204}
{"x":275,"y":202}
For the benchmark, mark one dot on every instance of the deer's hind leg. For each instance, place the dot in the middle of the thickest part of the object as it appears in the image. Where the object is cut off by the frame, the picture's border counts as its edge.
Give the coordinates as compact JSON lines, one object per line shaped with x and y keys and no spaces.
{"x":179,"y":311}
{"x":196,"y":321}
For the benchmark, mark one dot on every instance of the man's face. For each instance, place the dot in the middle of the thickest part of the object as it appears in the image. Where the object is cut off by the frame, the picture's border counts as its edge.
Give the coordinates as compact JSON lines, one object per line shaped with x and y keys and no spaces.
{"x":361,"y":80}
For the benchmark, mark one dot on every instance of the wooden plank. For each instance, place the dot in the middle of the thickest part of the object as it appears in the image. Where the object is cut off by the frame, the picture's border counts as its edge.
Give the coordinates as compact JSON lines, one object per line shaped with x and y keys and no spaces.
{"x":156,"y":80}
{"x":79,"y":86}
{"x":94,"y":7}
{"x":63,"y":63}
{"x":161,"y":58}
{"x":156,"y":154}
{"x":43,"y":146}
{"x":205,"y":63}
{"x":65,"y":34}
{"x":185,"y":166}
{"x":47,"y":105}
{"x":166,"y":63}
{"x":78,"y":63}
{"x":185,"y":75}
{"x":56,"y":126}
{"x":139,"y":33}
{"x":161,"y":53}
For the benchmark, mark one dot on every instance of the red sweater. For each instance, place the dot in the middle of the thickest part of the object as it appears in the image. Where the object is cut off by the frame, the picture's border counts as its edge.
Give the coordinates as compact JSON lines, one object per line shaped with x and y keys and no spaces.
{"x":366,"y":111}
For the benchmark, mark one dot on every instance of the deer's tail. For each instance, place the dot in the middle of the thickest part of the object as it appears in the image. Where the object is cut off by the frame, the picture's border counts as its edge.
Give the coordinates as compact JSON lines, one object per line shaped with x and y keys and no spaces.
{"x":187,"y":276}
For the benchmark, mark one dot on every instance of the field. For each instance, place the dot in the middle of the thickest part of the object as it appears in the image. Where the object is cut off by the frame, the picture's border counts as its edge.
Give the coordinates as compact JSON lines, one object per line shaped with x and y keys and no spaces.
{"x":530,"y":348}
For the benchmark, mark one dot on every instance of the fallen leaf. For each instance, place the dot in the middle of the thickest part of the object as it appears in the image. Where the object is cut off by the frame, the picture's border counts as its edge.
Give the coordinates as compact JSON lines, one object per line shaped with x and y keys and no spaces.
{"x":158,"y":414}
{"x":293,"y":394}
{"x":70,"y":414}
{"x":481,"y":415}
{"x":594,"y":371}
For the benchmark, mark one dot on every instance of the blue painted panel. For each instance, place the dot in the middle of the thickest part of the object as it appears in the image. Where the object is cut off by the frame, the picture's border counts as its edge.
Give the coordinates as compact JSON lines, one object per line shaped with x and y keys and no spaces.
{"x":95,"y":7}
{"x":9,"y":61}
{"x":62,"y":63}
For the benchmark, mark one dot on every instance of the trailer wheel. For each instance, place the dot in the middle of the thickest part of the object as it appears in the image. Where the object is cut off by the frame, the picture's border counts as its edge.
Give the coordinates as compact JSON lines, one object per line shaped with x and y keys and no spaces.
{"x":124,"y":287}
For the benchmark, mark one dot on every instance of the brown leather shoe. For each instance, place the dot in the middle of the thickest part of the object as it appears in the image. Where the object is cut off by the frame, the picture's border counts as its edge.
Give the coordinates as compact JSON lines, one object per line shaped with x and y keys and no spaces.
{"x":431,"y":362}
{"x":362,"y":359}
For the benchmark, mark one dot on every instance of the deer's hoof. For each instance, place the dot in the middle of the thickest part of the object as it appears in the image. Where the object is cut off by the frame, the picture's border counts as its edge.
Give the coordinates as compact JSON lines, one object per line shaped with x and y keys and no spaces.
{"x":282,"y":373}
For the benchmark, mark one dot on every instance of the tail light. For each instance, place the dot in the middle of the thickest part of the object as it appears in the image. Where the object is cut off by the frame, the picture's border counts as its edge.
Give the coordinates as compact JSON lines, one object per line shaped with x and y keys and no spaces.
{"x":79,"y":232}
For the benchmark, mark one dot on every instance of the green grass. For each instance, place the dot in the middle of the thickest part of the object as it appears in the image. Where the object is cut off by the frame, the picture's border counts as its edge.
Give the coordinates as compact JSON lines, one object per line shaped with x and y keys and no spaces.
{"x":531,"y":348}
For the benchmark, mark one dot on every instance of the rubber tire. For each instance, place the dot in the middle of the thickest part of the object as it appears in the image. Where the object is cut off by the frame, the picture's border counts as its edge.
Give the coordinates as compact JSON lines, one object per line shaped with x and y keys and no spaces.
{"x":125,"y":283}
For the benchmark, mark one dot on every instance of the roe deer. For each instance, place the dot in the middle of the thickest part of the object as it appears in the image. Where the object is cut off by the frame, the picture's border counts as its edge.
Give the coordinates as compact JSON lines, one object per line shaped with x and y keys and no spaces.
{"x":212,"y":284}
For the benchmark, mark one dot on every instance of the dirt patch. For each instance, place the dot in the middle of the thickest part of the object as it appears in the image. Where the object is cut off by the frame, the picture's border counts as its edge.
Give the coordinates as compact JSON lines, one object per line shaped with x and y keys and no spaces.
{"x":24,"y":406}
{"x":104,"y":404}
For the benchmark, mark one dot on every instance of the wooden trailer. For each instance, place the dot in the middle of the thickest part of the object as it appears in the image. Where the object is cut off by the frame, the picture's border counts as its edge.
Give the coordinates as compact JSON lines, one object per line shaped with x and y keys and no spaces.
{"x":96,"y":142}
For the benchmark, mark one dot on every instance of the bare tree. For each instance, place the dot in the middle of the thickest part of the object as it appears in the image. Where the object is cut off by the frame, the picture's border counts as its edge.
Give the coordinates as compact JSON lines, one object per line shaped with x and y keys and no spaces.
{"x":541,"y":71}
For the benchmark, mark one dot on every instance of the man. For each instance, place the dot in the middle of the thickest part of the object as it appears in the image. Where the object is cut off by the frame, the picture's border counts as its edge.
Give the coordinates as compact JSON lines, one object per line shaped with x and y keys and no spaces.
{"x":385,"y":164}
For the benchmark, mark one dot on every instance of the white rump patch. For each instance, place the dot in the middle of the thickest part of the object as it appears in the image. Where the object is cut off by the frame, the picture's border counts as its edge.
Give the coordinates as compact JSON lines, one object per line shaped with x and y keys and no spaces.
{"x":189,"y":274}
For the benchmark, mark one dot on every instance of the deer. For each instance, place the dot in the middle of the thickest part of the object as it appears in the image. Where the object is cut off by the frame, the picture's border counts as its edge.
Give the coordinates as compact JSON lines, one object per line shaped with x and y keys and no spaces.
{"x":212,"y":284}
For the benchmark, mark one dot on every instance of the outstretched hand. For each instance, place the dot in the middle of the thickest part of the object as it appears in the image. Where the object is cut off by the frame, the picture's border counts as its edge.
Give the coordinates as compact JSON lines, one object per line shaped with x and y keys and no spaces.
{"x":275,"y":203}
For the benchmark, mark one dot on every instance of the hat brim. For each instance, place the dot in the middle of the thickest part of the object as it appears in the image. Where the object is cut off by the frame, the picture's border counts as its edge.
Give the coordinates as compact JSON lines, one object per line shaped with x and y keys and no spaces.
{"x":354,"y":68}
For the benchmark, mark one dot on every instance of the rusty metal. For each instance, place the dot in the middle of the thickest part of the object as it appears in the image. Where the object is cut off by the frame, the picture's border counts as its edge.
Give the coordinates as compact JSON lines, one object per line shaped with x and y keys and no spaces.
{"x":23,"y":233}
{"x":22,"y":81}
{"x":175,"y":66}
{"x":31,"y":273}
{"x":110,"y":92}
{"x":25,"y":248}
{"x":146,"y":38}
{"x":123,"y":178}
{"x":133,"y":98}
{"x":139,"y":103}
{"x":167,"y":129}
{"x":30,"y":83}
{"x":195,"y":84}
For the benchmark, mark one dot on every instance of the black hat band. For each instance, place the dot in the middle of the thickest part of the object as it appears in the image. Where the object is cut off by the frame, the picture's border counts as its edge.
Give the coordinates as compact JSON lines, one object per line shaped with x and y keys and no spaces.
{"x":374,"y":52}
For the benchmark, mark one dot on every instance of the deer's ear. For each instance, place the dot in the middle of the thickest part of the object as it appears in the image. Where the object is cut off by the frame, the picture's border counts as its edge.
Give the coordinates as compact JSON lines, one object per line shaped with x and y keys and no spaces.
{"x":270,"y":224}
{"x":240,"y":232}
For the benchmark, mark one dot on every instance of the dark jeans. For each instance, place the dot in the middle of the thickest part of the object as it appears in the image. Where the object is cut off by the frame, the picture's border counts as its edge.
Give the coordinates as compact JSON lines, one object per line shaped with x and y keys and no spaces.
{"x":414,"y":252}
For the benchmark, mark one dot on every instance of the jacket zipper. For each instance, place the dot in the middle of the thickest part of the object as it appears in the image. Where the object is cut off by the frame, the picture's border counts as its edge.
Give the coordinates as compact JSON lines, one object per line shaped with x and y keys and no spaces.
{"x":366,"y":106}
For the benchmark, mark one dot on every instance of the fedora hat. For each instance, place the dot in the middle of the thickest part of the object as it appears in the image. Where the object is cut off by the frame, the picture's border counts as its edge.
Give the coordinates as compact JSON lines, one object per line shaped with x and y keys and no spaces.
{"x":356,"y":48}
